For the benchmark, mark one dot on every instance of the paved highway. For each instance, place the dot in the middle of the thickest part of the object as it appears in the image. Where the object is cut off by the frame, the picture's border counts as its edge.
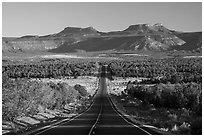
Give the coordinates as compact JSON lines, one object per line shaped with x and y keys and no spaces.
{"x":101,"y":118}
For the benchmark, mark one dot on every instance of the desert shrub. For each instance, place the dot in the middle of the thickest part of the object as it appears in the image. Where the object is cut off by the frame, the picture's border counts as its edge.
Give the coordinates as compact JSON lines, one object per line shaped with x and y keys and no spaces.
{"x":143,"y":93}
{"x":49,"y":96}
{"x":48,"y":69}
{"x":171,"y":99}
{"x":175,"y":70}
{"x":70,"y":93}
{"x":81,"y":89}
{"x":19,"y":98}
{"x":176,"y":96}
{"x":22,"y":97}
{"x":193,"y":94}
{"x":55,"y":96}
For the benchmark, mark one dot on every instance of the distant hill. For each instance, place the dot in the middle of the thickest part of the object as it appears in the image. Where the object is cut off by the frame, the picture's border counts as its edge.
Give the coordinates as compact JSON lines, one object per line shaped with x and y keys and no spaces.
{"x":73,"y":32}
{"x":193,"y":41}
{"x":139,"y":37}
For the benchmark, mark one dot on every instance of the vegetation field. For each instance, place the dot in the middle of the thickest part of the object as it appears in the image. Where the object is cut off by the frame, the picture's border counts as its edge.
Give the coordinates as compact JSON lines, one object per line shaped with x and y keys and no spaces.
{"x":165,"y":93}
{"x":43,"y":92}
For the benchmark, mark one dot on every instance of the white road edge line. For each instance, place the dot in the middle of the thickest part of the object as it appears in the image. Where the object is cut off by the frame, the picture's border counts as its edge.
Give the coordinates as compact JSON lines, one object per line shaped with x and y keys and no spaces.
{"x":96,"y":121}
{"x":60,"y":122}
{"x":125,"y":119}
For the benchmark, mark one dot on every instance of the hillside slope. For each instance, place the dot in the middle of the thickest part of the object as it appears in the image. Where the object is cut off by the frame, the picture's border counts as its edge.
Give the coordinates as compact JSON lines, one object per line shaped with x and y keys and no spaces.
{"x":136,"y":37}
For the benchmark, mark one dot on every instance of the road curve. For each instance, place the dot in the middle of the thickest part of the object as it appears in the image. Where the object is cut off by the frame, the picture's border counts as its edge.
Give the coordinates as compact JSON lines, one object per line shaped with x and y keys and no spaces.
{"x":101,"y":118}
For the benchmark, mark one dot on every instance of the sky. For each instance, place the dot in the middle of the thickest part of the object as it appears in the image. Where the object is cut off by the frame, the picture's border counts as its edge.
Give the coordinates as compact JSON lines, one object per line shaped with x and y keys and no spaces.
{"x":19,"y":19}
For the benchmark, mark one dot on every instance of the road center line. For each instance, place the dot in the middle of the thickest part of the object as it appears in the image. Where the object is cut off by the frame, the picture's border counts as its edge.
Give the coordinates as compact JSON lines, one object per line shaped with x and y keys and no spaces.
{"x":60,"y":122}
{"x":96,"y":120}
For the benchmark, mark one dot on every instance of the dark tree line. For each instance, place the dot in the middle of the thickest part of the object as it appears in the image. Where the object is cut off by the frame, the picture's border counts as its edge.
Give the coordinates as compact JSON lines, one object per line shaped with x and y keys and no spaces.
{"x":158,"y":70}
{"x":51,"y":70}
{"x":166,"y":70}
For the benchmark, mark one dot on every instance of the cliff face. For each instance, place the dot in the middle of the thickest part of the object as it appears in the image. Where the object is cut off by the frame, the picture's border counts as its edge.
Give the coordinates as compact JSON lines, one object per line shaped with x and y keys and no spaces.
{"x":135,"y":37}
{"x":69,"y":35}
{"x":29,"y":45}
{"x":193,"y":41}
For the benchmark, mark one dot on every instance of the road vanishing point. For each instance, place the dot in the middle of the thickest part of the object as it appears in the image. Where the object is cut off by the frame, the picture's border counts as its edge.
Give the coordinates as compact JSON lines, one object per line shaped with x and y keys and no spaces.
{"x":101,"y":118}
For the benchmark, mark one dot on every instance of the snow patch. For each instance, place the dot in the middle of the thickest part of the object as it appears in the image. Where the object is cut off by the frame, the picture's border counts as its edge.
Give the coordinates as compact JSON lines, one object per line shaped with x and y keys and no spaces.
{"x":192,"y":57}
{"x":135,"y":55}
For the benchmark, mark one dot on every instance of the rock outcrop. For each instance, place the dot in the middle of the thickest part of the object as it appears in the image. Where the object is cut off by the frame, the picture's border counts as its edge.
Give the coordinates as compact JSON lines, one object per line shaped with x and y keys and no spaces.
{"x":135,"y":37}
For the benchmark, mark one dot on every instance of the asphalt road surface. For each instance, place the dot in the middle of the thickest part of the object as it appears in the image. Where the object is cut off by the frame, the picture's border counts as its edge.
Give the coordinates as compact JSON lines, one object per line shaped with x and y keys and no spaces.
{"x":101,"y":118}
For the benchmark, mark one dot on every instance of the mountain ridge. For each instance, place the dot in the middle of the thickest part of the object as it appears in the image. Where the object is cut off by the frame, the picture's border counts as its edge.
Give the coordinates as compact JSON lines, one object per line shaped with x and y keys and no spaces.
{"x":135,"y":37}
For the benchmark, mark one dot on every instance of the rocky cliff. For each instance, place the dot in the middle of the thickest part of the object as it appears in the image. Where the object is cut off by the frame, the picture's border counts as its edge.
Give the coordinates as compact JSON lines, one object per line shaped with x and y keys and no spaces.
{"x":135,"y":37}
